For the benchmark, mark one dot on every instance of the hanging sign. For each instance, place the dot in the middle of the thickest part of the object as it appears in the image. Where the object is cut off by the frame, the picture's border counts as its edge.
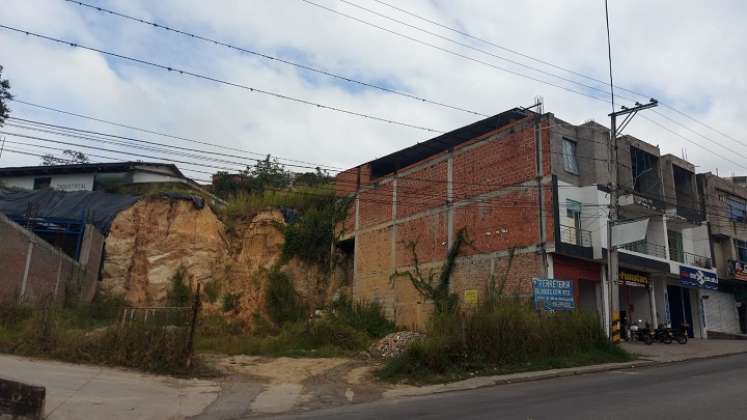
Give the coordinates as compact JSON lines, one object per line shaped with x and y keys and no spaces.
{"x":553,"y":295}
{"x":693,"y":277}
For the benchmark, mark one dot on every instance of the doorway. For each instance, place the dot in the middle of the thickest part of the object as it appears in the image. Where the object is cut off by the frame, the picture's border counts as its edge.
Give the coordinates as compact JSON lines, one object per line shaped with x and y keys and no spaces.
{"x":680,"y":310}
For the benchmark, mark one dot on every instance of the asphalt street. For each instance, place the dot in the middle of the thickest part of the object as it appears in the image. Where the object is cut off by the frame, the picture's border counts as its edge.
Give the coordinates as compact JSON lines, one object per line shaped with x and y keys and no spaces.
{"x":702,"y":389}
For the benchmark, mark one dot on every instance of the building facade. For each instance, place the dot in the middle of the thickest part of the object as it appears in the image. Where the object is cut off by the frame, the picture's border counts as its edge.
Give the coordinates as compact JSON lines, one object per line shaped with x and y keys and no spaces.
{"x":90,"y":176}
{"x":531,"y":193}
{"x":724,"y":202}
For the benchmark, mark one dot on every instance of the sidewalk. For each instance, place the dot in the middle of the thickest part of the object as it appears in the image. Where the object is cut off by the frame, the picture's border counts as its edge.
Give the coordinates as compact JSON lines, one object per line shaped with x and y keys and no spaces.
{"x":694,"y":349}
{"x":91,"y":392}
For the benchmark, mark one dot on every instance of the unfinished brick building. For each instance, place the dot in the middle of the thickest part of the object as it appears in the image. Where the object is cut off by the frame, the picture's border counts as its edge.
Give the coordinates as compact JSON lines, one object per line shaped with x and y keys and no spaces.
{"x":492,"y":179}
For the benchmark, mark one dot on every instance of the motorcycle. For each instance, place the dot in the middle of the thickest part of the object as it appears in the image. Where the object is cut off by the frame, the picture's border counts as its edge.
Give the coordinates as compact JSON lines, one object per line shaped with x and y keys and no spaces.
{"x":680,"y":334}
{"x":638,"y":333}
{"x":663,"y":334}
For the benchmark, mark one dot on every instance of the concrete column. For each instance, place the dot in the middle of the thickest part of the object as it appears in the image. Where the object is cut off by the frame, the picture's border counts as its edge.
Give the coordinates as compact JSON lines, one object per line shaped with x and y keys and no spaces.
{"x":652,"y":301}
{"x":393,"y":230}
{"x":605,"y":301}
{"x":26,"y":270}
{"x":666,"y":236}
{"x":450,"y":200}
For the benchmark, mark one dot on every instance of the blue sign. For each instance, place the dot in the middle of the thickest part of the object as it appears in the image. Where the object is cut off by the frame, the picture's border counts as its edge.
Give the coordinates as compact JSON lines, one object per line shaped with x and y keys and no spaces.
{"x":693,"y":277}
{"x":553,"y":295}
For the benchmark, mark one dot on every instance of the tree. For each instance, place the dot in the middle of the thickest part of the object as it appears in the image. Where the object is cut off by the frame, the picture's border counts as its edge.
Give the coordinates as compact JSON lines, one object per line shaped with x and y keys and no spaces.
{"x":70,"y":156}
{"x":268,"y":174}
{"x":4,"y":97}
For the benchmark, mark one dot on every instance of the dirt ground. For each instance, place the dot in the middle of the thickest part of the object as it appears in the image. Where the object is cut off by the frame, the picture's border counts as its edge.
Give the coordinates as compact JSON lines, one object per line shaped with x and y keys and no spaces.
{"x":280,"y":385}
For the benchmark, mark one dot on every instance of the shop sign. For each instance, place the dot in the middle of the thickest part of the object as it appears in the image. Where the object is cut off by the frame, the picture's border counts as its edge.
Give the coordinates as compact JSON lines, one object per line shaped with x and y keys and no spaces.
{"x":740,"y":270}
{"x":553,"y":295}
{"x":693,"y":277}
{"x":630,"y":278}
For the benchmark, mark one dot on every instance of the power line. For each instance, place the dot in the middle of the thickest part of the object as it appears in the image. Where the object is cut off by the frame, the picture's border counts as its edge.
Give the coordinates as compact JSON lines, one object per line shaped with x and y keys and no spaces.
{"x":275,"y":58}
{"x":162,"y":134}
{"x":219,"y":81}
{"x":454,"y":53}
{"x":468,"y":46}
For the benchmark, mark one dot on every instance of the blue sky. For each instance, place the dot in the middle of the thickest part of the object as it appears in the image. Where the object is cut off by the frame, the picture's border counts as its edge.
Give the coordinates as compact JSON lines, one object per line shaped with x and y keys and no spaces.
{"x":686,"y":53}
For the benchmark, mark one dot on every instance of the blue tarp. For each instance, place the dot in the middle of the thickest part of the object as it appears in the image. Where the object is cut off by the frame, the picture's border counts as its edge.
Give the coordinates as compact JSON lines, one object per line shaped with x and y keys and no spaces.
{"x":94,"y":207}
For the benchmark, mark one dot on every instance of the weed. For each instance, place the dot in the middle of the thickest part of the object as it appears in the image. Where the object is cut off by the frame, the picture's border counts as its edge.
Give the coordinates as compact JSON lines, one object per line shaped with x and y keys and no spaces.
{"x":283,"y":303}
{"x":179,"y":294}
{"x":212,"y":290}
{"x":502,"y":336}
{"x":363,"y":316}
{"x":231,"y":302}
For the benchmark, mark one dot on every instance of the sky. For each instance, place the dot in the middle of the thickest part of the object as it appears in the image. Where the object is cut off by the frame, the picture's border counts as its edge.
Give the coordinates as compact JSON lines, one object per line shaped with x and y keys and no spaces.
{"x":688,"y":54}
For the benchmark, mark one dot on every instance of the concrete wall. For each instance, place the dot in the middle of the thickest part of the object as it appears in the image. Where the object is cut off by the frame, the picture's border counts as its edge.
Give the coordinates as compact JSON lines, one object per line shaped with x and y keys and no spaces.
{"x":34,"y":272}
{"x":486,"y":187}
{"x":65,"y":182}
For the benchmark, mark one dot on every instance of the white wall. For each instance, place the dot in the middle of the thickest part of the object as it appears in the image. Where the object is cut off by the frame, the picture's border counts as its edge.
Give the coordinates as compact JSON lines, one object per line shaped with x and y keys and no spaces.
{"x":144,"y":177}
{"x":24,"y":182}
{"x":63,"y":182}
{"x":593,"y":213}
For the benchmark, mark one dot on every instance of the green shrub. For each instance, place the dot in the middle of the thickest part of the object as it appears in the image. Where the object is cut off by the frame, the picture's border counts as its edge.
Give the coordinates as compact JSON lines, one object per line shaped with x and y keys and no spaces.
{"x":231,"y":302}
{"x":283,"y":303}
{"x":311,"y":237}
{"x":212,"y":290}
{"x":179,"y":294}
{"x":506,"y":335}
{"x":363,"y":316}
{"x":12,"y":315}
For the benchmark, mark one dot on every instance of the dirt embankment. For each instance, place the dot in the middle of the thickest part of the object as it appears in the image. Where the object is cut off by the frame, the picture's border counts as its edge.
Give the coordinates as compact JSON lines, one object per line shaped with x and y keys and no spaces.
{"x":151,"y":241}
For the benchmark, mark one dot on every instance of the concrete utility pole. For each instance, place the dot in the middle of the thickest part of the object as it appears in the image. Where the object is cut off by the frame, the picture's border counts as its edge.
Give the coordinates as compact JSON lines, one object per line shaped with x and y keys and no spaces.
{"x":612,"y":269}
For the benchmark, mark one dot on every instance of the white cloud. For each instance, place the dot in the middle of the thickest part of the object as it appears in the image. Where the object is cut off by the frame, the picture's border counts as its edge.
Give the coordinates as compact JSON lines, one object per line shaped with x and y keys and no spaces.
{"x":686,"y":52}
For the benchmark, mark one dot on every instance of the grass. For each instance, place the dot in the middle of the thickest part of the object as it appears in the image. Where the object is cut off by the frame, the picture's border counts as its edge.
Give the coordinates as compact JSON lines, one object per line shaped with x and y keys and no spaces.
{"x":347,"y":329}
{"x":91,"y":334}
{"x":301,"y":198}
{"x":504,"y":336}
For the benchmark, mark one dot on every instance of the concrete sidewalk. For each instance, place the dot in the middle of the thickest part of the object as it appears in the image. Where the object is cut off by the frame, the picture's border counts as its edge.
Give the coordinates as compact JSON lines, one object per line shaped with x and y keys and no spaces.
{"x":694,"y":349}
{"x":91,"y":392}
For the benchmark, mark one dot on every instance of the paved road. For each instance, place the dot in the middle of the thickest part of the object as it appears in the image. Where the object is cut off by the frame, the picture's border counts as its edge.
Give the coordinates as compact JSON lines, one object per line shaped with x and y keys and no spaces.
{"x":704,"y":389}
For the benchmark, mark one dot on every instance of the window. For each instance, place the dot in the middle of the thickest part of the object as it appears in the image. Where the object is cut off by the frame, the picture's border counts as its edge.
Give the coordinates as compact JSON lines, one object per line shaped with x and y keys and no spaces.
{"x":572,"y":229}
{"x":42,"y":182}
{"x":676,"y":247}
{"x":737,"y":209}
{"x":570,"y":164}
{"x":741,"y":250}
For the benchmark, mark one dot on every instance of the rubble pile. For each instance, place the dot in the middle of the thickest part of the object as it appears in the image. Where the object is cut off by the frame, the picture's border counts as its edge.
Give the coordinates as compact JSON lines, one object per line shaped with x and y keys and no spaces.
{"x":394,"y":344}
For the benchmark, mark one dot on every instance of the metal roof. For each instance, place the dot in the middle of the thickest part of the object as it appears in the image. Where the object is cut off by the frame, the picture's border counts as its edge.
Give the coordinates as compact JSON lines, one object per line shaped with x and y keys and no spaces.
{"x":413,"y":154}
{"x":86,"y":168}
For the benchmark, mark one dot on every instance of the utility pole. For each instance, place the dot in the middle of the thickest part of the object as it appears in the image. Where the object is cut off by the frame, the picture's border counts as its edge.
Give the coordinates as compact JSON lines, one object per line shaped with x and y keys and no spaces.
{"x":612,"y":269}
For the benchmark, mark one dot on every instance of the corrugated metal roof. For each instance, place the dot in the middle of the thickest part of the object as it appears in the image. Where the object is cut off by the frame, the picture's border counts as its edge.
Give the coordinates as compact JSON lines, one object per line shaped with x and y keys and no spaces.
{"x":413,"y":154}
{"x":84,"y":168}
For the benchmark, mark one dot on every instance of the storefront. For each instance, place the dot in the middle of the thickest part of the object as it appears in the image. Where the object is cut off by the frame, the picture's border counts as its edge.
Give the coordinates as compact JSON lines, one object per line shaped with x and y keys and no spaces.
{"x":685,"y":297}
{"x":586,"y":278}
{"x":635,"y":298}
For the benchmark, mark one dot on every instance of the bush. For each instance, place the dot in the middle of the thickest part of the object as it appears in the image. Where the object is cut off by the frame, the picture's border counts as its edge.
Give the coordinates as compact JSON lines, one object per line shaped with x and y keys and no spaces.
{"x":282,"y":301}
{"x":231,"y":302}
{"x":57,"y":334}
{"x":362,"y":316}
{"x":179,"y":294}
{"x":311,"y":237}
{"x":505,"y":335}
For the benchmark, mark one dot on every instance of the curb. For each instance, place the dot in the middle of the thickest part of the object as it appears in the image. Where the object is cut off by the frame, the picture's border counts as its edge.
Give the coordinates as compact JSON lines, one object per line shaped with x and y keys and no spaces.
{"x":487,"y":381}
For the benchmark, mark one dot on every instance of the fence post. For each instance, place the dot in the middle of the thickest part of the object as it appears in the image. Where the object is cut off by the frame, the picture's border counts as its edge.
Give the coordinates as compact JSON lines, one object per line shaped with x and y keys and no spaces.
{"x":192,"y":325}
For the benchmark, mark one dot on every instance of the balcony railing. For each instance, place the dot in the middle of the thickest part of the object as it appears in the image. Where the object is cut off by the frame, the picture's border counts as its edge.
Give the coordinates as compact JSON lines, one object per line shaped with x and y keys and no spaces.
{"x":660,"y":251}
{"x":647,"y":248}
{"x":689,"y":258}
{"x":575,"y":236}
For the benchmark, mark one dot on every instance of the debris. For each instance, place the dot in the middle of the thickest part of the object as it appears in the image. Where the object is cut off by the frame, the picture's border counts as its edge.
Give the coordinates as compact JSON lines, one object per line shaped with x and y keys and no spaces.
{"x":394,"y":344}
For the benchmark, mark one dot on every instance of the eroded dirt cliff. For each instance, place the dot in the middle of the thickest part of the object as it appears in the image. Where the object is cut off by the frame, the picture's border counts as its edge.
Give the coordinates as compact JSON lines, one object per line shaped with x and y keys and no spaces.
{"x":154,"y":239}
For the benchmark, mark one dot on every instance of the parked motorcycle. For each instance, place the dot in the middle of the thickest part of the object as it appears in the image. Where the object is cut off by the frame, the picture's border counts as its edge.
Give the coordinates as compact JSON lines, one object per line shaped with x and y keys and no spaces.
{"x":664,"y":334}
{"x":680,"y":334}
{"x":638,"y":333}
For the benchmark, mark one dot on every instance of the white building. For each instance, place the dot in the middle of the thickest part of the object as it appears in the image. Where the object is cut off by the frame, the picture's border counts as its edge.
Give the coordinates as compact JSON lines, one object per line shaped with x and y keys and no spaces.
{"x":91,"y":176}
